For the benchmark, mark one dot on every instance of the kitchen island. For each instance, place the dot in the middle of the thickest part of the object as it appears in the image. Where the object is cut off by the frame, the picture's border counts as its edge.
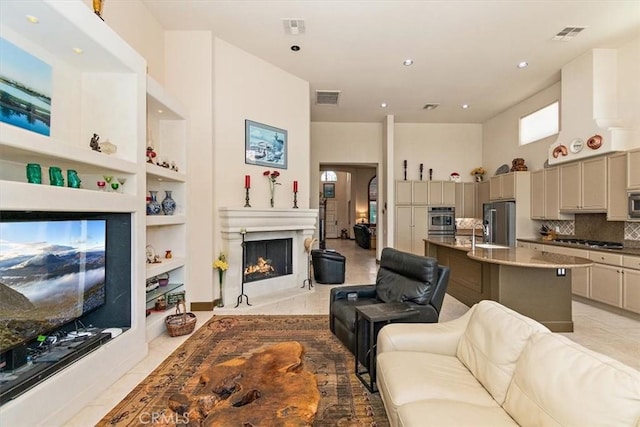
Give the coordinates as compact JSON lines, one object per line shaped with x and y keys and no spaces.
{"x":534,"y":283}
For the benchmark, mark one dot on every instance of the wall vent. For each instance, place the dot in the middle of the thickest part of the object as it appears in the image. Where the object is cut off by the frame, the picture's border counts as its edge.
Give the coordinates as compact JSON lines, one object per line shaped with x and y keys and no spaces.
{"x":327,"y":97}
{"x":431,"y":106}
{"x":568,"y":33}
{"x":293,"y":27}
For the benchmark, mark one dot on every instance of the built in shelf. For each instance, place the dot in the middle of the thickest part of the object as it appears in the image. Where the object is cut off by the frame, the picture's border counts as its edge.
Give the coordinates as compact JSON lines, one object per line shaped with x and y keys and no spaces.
{"x":161,"y":291}
{"x":22,"y":146}
{"x":39,"y":197}
{"x":160,"y":220}
{"x":158,"y":173}
{"x":163,"y":267}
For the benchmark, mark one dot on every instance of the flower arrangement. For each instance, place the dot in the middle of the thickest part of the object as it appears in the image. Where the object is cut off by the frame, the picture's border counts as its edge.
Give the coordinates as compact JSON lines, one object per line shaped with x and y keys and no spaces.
{"x":272,"y":176}
{"x":478,"y":173}
{"x":221,"y":265}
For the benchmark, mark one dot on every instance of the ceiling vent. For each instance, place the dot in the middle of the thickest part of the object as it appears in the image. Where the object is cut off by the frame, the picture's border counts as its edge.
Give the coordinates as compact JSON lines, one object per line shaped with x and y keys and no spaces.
{"x":430,"y":106}
{"x":568,"y":33}
{"x":327,"y":97}
{"x":293,"y":27}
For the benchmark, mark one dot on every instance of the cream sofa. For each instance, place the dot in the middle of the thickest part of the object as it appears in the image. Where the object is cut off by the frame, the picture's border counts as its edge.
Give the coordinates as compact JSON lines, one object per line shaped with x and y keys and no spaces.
{"x":495,"y":367}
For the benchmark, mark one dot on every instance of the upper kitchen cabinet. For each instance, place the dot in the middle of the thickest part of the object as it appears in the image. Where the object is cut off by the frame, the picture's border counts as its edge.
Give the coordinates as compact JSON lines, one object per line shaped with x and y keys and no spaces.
{"x":545,"y":195}
{"x":617,"y":209}
{"x":507,"y":186}
{"x":583,"y":186}
{"x":633,"y":169}
{"x":482,"y":197}
{"x":412,"y":193}
{"x":465,"y":200}
{"x":442,"y":193}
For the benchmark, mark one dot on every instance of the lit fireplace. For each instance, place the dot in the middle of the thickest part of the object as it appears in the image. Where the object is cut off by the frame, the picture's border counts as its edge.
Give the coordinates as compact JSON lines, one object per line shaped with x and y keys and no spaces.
{"x":265,"y":259}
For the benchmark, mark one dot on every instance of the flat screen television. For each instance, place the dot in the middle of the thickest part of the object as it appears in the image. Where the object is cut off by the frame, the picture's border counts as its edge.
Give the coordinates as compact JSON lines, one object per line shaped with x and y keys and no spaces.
{"x":52,"y":272}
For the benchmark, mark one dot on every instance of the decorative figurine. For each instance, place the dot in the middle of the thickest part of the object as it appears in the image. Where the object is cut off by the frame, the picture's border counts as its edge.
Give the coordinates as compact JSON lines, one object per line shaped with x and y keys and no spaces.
{"x":95,"y":146}
{"x":430,"y":174}
{"x":421,"y":169}
{"x":73,"y":180}
{"x":150,"y":155}
{"x":34,"y":173}
{"x":55,"y":176}
{"x":405,"y":170}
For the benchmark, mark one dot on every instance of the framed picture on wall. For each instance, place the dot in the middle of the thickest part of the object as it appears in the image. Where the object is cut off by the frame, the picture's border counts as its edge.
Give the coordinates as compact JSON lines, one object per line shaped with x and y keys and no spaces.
{"x":328,"y":190}
{"x":265,"y":145}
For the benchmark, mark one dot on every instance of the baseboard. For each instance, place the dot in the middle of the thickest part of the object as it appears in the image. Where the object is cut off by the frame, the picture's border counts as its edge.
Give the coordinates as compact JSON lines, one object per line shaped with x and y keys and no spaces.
{"x":203,"y":306}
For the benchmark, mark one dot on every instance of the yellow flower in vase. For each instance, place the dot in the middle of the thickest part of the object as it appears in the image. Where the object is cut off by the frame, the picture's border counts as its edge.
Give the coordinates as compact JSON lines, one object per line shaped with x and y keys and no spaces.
{"x":221,"y":265}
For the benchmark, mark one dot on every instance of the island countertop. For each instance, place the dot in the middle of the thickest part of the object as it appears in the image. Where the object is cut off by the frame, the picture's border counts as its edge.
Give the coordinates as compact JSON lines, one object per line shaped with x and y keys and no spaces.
{"x":519,"y":257}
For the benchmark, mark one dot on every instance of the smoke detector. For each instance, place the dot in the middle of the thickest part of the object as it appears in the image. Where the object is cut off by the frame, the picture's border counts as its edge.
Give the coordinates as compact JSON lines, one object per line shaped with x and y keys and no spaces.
{"x":432,"y":106}
{"x":293,"y":27}
{"x":567,"y":33}
{"x":327,"y":97}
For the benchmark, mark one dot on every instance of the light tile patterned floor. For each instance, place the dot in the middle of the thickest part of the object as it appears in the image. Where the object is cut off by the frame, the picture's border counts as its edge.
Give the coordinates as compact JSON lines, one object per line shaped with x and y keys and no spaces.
{"x":596,"y":328}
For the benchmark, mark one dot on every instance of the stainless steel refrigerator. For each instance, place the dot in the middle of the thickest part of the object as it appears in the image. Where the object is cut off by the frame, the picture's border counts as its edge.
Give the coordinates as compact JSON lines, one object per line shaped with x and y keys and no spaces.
{"x":500,"y":223}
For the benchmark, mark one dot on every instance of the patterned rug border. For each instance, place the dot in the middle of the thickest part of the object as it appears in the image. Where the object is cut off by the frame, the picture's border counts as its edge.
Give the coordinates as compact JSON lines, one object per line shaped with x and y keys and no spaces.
{"x":344,"y":400}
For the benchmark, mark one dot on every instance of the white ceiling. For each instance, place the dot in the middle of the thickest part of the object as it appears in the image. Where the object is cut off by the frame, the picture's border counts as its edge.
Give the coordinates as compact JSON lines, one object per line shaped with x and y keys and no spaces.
{"x":464,"y":51}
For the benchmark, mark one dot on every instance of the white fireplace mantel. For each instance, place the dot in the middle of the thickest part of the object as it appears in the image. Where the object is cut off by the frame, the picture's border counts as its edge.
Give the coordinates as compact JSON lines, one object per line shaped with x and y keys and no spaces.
{"x":250,"y":224}
{"x":236,"y":220}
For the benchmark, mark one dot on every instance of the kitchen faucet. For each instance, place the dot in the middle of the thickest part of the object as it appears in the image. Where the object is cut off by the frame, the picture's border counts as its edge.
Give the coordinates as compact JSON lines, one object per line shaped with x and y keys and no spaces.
{"x":473,"y":233}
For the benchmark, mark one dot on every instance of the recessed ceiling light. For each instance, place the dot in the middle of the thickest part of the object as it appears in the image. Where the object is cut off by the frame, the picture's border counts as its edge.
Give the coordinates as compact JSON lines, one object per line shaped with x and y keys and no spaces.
{"x":523,"y":64}
{"x":77,"y":50}
{"x":32,"y":19}
{"x":160,"y":111}
{"x":383,"y":105}
{"x":407,"y":62}
{"x":432,"y":106}
{"x":465,"y":106}
{"x":295,"y":48}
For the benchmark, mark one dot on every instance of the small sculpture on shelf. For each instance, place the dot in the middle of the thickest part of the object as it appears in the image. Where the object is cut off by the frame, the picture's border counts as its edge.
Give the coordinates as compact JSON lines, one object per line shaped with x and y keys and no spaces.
{"x":151,"y":155}
{"x":94,"y":144}
{"x":72,"y":179}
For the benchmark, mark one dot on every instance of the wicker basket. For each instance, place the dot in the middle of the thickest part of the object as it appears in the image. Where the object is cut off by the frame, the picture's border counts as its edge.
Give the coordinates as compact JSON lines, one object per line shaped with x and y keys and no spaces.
{"x":181,"y":323}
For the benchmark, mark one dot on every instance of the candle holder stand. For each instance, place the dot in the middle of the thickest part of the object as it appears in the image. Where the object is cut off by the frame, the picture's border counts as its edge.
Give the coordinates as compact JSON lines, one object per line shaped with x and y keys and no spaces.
{"x":295,"y":200}
{"x":246,"y":199}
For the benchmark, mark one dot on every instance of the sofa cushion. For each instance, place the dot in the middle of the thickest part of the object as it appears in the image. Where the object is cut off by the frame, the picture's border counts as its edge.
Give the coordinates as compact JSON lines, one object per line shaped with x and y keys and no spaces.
{"x":406,"y":376}
{"x":452,"y":413}
{"x":405,"y":277}
{"x":558,"y":382}
{"x":491,"y":344}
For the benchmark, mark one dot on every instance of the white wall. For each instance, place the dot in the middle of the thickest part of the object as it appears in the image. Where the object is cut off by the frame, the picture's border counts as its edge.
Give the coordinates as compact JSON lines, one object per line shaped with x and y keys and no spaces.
{"x":134,"y":23}
{"x":189,"y":77}
{"x":500,"y":135}
{"x":445,"y":148}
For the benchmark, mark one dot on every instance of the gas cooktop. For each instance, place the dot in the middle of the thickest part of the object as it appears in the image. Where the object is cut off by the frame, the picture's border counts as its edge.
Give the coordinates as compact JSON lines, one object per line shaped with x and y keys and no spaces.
{"x":592,"y":243}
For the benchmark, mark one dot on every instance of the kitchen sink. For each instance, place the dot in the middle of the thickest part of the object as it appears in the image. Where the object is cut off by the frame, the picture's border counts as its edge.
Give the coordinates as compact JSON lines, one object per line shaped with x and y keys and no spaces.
{"x":491,"y":246}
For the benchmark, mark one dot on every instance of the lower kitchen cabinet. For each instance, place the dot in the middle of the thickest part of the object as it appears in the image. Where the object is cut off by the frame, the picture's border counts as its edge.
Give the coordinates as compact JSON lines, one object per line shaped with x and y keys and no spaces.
{"x":606,"y":284}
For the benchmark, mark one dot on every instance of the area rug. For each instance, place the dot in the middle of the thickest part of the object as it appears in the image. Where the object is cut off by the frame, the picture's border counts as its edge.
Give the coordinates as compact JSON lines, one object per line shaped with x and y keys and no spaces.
{"x":344,"y":400}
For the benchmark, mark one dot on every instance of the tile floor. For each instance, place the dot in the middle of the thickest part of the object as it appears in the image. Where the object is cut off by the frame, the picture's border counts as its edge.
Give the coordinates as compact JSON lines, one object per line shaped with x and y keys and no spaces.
{"x":596,"y":327}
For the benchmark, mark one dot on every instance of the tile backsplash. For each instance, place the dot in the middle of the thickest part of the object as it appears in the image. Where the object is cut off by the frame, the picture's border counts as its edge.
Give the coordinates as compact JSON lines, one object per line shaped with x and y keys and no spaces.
{"x":596,"y":227}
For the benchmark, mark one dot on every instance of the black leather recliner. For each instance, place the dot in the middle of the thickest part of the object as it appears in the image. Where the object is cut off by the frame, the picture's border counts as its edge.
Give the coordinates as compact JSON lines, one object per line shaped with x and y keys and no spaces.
{"x":403,"y":277}
{"x":363,"y":235}
{"x":328,"y":266}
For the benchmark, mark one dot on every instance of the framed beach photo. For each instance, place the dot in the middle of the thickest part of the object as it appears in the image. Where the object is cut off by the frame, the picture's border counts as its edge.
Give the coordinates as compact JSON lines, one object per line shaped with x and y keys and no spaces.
{"x":265,"y":145}
{"x":328,"y":190}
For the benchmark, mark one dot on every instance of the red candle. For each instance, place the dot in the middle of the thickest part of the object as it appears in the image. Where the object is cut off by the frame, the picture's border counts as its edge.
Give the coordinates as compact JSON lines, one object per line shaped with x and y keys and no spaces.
{"x":295,"y":186}
{"x":247,"y":181}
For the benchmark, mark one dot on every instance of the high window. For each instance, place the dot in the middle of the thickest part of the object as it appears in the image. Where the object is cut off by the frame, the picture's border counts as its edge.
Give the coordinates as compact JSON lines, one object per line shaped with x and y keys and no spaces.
{"x":328,"y":176}
{"x":540,"y":124}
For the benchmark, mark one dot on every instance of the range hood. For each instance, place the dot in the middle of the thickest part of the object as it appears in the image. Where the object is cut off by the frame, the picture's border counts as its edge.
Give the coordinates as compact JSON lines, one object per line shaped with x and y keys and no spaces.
{"x":590,"y":121}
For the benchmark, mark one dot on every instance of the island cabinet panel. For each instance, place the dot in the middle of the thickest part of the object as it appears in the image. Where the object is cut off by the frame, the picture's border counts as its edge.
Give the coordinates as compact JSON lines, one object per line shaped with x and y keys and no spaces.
{"x":466,"y":276}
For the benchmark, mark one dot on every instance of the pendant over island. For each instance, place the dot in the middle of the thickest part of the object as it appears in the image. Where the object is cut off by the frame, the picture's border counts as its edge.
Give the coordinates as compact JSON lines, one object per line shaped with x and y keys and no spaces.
{"x":534,"y":283}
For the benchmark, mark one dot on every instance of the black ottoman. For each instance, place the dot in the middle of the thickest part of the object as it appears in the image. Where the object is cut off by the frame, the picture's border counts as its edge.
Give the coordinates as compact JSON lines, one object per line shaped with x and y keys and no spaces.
{"x":328,"y":266}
